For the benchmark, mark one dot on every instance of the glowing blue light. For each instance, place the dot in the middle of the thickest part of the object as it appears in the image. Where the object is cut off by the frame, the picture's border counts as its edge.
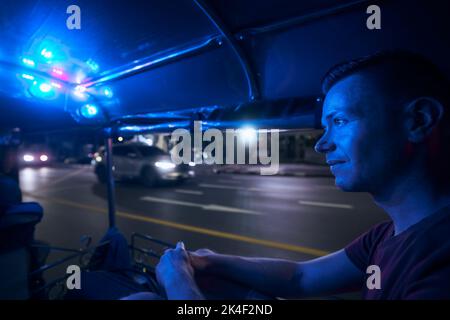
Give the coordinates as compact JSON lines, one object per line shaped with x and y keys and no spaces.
{"x":93,"y":65}
{"x":79,"y":76}
{"x":108,"y":92}
{"x":27,"y":76}
{"x":43,"y":90}
{"x":80,"y":89}
{"x":89,"y":111}
{"x":56,"y":85}
{"x":248,"y":134}
{"x":46,"y":53}
{"x":45,"y":87}
{"x":28,"y":62}
{"x":79,"y":93}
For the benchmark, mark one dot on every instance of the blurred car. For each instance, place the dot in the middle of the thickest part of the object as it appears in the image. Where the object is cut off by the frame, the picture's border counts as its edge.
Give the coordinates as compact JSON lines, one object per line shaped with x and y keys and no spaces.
{"x":149,"y":164}
{"x":35,"y":156}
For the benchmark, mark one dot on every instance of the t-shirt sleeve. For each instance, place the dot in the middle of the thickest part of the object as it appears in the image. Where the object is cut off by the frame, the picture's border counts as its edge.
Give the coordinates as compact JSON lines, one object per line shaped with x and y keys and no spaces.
{"x":430,"y":278}
{"x":434,"y":287}
{"x":359,"y":250}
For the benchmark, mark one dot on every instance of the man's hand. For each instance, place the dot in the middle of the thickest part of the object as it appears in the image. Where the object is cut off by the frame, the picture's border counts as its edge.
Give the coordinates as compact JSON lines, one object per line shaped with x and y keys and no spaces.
{"x":176,"y":275}
{"x":173,"y":265}
{"x":201,"y":259}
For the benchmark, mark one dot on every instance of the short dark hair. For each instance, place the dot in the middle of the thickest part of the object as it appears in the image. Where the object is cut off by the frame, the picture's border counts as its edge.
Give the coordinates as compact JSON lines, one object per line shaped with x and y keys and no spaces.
{"x":404,"y":74}
{"x":409,"y":67}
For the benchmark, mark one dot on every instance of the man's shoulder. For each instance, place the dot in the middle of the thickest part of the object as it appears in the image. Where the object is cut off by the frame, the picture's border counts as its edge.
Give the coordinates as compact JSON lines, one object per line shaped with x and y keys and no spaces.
{"x":436,"y":232}
{"x":381,"y":231}
{"x":429,"y":253}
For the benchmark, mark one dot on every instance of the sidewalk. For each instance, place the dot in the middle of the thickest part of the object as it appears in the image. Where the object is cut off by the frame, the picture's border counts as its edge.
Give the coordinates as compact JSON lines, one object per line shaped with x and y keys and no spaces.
{"x":291,"y":169}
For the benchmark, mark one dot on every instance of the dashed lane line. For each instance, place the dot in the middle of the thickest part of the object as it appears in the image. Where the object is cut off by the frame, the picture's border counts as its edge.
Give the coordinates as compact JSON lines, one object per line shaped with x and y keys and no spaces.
{"x":187,"y":191}
{"x":326,"y":204}
{"x":210,"y":207}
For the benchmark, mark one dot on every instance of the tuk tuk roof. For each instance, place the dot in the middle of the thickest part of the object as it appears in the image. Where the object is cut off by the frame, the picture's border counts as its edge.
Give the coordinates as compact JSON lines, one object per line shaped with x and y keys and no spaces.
{"x":155,"y":61}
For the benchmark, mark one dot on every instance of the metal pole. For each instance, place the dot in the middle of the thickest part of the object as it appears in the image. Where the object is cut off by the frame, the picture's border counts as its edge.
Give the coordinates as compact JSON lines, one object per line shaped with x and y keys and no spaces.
{"x":253,"y":87}
{"x":110,"y":179}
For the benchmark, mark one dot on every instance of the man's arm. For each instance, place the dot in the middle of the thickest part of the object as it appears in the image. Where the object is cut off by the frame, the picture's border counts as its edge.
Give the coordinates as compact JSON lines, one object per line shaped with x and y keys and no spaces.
{"x":283,"y":278}
{"x":176,"y":275}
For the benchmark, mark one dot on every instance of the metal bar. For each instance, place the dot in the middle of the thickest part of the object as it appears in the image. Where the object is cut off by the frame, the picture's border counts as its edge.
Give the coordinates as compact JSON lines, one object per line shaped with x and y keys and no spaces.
{"x":56,"y":263}
{"x":133,"y":256}
{"x":148,"y":252}
{"x":72,"y":256}
{"x":77,"y":253}
{"x":152,"y":62}
{"x":253,"y":89}
{"x":110,"y":178}
{"x":36,"y":72}
{"x":55,"y":248}
{"x":155,"y":61}
{"x":300,"y":19}
{"x":48,"y":285}
{"x":150,"y":238}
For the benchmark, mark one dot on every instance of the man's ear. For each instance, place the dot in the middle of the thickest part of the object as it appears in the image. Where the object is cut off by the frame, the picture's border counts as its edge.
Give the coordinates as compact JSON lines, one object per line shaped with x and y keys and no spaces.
{"x":423,"y":115}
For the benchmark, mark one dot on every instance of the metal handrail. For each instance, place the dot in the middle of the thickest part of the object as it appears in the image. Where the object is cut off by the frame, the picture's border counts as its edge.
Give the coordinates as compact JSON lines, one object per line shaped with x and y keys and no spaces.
{"x":76,"y":253}
{"x":135,"y":235}
{"x":253,"y":88}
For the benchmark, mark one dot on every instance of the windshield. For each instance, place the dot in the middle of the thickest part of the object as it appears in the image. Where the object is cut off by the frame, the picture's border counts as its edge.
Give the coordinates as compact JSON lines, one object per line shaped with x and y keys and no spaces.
{"x":151,"y":151}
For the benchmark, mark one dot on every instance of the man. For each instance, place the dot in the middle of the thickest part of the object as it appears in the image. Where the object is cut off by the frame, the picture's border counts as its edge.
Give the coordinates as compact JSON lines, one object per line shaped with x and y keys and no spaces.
{"x":386,"y":132}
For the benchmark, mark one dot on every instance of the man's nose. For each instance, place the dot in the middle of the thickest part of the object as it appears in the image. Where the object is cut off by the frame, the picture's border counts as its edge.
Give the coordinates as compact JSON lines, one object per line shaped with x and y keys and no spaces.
{"x":324,"y":145}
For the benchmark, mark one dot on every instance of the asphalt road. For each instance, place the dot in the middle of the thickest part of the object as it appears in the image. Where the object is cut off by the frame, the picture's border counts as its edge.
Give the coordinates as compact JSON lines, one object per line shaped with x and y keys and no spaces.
{"x":288,"y":217}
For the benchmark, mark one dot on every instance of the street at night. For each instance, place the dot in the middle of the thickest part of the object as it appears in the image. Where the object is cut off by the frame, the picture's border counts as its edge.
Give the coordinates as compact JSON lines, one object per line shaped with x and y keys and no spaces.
{"x":277,"y":216}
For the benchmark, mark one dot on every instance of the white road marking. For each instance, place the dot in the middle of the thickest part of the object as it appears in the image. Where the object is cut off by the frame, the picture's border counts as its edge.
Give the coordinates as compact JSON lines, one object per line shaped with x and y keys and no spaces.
{"x":228,"y":181}
{"x":213,"y":207}
{"x":217,"y":207}
{"x":196,"y":192}
{"x":218,"y":186}
{"x":326,"y":204}
{"x":222,"y":186}
{"x":277,"y":189}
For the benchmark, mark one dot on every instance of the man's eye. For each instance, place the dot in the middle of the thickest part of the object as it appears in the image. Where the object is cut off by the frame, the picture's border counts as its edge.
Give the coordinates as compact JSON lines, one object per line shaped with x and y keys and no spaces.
{"x":339,"y":121}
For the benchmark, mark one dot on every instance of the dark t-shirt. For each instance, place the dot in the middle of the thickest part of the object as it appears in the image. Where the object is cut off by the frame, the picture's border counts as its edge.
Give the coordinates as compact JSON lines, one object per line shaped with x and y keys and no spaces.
{"x":414,"y":264}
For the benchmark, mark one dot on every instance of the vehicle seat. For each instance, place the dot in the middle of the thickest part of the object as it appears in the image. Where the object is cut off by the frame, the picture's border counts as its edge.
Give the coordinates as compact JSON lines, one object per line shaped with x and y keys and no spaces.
{"x":17,"y":224}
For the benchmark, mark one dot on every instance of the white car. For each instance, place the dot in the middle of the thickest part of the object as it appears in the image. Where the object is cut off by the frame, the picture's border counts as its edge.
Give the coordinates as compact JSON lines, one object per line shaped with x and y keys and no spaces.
{"x":149,"y":164}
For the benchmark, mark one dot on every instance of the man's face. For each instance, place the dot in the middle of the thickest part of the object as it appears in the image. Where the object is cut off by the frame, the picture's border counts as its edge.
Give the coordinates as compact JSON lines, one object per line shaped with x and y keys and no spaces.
{"x":363,"y":139}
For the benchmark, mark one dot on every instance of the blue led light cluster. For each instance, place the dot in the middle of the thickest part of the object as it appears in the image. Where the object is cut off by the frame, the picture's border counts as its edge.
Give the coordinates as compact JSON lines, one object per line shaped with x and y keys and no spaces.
{"x":49,"y":71}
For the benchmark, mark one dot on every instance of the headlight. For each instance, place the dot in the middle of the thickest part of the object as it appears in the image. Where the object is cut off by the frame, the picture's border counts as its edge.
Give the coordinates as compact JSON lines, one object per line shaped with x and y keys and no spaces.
{"x":28,"y":158}
{"x":98,"y":159}
{"x":191,"y":164}
{"x":43,"y":157}
{"x":165,"y":165}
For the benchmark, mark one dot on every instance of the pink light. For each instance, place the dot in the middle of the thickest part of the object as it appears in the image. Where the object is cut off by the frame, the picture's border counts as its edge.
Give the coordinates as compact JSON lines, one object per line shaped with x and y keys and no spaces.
{"x":57,"y":71}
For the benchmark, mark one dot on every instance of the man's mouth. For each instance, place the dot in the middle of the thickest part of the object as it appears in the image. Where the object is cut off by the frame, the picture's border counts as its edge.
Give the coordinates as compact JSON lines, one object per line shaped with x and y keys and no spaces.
{"x":334,"y":163}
